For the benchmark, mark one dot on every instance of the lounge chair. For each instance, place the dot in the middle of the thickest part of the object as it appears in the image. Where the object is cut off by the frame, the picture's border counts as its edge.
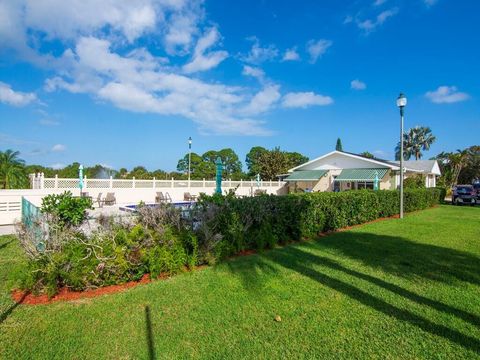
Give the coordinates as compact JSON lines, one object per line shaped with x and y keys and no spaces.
{"x":160,"y":198}
{"x":99,"y":200}
{"x":110,"y":199}
{"x":168,"y":198}
{"x":189,"y":197}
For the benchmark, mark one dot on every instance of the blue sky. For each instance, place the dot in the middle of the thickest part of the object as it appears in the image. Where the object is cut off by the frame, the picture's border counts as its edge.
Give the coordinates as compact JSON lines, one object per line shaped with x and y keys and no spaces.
{"x":125,"y":83}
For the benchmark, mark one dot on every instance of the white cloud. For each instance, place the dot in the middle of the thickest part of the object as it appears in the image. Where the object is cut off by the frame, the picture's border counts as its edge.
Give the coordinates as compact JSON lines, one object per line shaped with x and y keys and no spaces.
{"x":358,"y":85}
{"x":144,"y":85}
{"x":379,"y":2}
{"x":103,"y":56}
{"x":253,"y":71}
{"x":305,"y":99}
{"x":204,"y":61}
{"x":259,"y":54}
{"x":370,"y":25}
{"x":291,"y":55}
{"x":15,"y":98}
{"x":59,"y":148}
{"x":263,"y":101}
{"x":316,"y":48}
{"x":446,"y":95}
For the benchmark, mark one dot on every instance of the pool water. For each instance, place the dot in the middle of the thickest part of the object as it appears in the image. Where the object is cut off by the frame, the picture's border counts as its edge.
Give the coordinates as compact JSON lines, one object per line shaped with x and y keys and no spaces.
{"x":183,"y":205}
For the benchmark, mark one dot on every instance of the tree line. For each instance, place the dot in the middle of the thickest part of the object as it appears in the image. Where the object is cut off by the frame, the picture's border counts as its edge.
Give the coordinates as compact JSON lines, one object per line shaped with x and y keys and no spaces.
{"x":259,"y":160}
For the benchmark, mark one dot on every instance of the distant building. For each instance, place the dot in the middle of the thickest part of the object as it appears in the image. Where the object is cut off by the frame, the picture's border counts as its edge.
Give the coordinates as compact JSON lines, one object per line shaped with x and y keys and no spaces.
{"x":340,"y":171}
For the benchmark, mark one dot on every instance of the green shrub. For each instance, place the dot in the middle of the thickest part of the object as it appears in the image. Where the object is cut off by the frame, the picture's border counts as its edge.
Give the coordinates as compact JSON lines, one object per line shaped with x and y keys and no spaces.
{"x":162,"y":242}
{"x":414,"y":182}
{"x":115,"y":254}
{"x":265,"y":221}
{"x":66,"y":210}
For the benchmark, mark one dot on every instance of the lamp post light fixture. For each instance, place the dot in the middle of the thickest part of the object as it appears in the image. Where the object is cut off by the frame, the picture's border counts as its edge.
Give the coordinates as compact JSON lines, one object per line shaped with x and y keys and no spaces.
{"x":189,"y":157}
{"x":401,"y":103}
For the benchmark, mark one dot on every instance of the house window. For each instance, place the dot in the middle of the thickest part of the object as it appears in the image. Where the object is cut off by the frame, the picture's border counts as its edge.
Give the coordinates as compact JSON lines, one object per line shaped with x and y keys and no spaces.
{"x":364,"y":185}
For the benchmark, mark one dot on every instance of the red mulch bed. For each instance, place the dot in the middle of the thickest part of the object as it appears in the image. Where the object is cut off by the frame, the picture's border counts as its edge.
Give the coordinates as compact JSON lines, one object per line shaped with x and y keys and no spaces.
{"x":65,"y":294}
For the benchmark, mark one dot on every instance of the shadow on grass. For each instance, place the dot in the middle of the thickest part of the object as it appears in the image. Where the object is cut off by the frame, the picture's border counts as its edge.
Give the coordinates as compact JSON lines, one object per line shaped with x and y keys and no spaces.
{"x":394,"y":255}
{"x":7,"y":312}
{"x":4,"y":245}
{"x":149,"y":334}
{"x":402,"y":257}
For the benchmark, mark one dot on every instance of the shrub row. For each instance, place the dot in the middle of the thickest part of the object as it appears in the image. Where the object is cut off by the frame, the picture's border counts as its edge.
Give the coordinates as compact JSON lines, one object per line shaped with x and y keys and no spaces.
{"x":160,"y":240}
{"x":265,"y":221}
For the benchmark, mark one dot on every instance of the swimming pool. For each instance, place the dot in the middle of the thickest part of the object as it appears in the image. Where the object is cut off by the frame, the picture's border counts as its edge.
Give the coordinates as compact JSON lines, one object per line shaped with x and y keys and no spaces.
{"x":183,"y":205}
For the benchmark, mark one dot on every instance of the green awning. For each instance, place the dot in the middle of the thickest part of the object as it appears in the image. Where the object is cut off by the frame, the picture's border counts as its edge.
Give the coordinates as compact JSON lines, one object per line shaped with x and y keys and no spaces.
{"x":306,"y":175}
{"x":361,"y":174}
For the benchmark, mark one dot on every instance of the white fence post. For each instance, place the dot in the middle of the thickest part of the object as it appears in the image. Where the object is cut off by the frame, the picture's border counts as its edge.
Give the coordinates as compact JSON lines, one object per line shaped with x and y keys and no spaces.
{"x":203,"y":182}
{"x":172,"y":183}
{"x":133,"y":182}
{"x":42,"y":180}
{"x":154,"y":182}
{"x":56,"y":181}
{"x":111,"y":182}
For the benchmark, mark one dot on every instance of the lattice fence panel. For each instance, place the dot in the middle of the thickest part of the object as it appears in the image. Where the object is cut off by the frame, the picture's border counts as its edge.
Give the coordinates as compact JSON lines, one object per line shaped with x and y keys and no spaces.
{"x":62,"y":183}
{"x":98,"y":184}
{"x":144,"y":184}
{"x":122,"y":184}
{"x":180,"y":184}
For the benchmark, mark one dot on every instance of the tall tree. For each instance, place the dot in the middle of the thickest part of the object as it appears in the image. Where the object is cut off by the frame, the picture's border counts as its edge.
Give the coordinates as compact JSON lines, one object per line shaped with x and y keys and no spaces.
{"x":414,"y":141}
{"x":196,"y":160}
{"x":367,"y":154}
{"x":296,"y":159}
{"x":471,"y":171}
{"x":273,"y":163}
{"x":253,"y":160}
{"x":12,"y":170}
{"x":339,"y":146}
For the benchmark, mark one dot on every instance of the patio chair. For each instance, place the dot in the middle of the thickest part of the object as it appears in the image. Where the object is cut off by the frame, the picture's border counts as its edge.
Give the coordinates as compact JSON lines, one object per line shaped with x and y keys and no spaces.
{"x":189,"y":197}
{"x":168,"y":198}
{"x":99,"y":200}
{"x":160,"y":198}
{"x":110,"y":199}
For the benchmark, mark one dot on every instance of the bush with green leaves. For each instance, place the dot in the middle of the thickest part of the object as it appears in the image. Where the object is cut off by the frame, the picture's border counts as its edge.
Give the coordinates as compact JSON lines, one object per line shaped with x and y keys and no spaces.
{"x":414,"y":182}
{"x":158,"y":243}
{"x":65,"y":209}
{"x":268,"y":220}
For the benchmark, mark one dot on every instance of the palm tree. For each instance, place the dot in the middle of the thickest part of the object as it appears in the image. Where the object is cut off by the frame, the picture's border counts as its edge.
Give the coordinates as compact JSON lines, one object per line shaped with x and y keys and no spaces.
{"x":417,"y":139}
{"x":12,"y":170}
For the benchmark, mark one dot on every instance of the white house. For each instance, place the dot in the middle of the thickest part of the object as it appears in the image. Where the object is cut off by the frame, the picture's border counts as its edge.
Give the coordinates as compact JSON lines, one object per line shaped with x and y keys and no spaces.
{"x":339,"y":171}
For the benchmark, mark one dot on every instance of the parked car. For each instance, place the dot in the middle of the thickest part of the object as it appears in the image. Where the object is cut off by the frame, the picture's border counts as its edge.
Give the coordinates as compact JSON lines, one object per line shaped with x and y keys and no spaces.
{"x":464,"y":194}
{"x":476,"y":186}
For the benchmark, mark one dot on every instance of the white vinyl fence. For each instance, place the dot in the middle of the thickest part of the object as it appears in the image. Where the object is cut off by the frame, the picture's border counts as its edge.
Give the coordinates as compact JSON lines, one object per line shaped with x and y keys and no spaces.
{"x":127,"y":191}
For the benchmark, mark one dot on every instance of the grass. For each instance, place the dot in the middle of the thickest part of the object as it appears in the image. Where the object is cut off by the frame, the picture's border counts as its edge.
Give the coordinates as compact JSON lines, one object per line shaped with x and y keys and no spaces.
{"x":386,"y":290}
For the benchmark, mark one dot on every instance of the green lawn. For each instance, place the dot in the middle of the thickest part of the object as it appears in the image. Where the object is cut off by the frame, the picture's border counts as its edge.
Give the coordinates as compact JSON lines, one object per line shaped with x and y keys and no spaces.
{"x":392,"y":289}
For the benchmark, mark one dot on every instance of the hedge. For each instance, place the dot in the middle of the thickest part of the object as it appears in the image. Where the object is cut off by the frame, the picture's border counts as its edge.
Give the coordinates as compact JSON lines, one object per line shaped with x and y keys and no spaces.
{"x":267,"y":220}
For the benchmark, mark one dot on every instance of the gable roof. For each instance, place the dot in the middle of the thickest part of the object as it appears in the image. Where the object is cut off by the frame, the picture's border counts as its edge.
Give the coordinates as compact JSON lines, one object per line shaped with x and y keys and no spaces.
{"x":388,"y":164}
{"x":426,"y":166}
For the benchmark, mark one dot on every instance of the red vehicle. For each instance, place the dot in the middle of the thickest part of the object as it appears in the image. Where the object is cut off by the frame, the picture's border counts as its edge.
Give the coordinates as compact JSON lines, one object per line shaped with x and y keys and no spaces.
{"x":464,"y":194}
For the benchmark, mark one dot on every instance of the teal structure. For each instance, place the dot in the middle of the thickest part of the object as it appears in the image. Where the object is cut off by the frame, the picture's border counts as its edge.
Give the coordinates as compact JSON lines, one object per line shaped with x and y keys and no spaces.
{"x":218,"y":163}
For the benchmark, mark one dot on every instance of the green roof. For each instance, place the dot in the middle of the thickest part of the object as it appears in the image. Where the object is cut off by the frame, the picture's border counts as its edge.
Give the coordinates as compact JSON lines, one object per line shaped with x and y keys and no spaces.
{"x":306,"y":175}
{"x":361,"y":174}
